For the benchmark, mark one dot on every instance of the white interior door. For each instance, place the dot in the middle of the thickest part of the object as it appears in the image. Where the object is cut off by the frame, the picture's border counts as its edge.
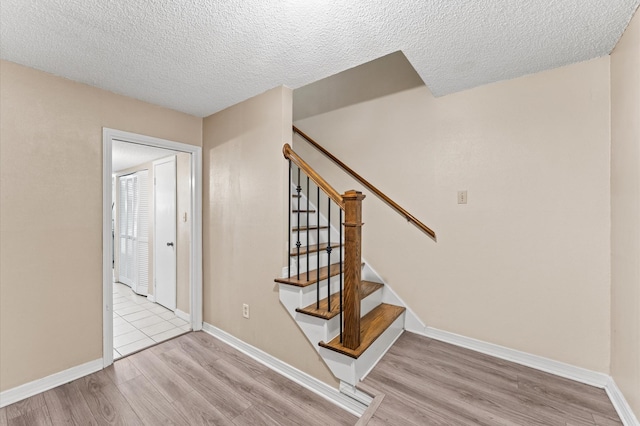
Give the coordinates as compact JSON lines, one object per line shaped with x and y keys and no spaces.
{"x":165,"y":232}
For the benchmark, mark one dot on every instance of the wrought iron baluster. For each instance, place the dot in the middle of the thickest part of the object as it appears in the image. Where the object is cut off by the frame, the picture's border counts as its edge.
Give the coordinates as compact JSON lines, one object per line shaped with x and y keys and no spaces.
{"x":289,"y":229}
{"x":318,"y":252}
{"x":298,"y":244}
{"x":308,"y":196}
{"x":340,"y":248}
{"x":329,"y":254}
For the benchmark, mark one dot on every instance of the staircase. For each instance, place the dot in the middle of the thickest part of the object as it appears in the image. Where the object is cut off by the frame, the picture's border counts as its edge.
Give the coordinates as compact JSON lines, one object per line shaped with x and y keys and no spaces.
{"x":337,"y":300}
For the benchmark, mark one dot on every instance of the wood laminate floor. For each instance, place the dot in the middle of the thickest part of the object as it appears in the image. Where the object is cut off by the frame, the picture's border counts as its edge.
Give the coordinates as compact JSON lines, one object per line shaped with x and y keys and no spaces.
{"x":195,"y":379}
{"x":427,"y":382}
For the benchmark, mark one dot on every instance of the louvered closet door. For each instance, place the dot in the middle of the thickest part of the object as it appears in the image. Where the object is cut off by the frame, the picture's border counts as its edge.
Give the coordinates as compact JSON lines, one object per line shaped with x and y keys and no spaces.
{"x":133,"y":228}
{"x":126,"y":219}
{"x":142,"y":233}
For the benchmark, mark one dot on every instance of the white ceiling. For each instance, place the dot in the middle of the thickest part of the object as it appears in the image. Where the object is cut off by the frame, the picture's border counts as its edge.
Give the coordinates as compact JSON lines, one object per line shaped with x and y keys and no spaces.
{"x":125,"y":154}
{"x":200,"y":56}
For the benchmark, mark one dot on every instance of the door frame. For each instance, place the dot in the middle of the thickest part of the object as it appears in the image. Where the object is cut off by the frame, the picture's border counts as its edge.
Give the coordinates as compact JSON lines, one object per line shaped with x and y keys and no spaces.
{"x":195,"y":285}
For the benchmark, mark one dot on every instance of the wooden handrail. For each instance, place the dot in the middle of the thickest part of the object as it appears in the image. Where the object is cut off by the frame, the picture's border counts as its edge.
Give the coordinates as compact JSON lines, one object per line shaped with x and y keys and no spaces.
{"x":366,"y":183}
{"x":290,"y":154}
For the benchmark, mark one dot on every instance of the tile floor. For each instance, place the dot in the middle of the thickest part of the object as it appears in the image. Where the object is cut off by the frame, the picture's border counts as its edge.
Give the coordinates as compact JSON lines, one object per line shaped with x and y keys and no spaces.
{"x":138,"y":323}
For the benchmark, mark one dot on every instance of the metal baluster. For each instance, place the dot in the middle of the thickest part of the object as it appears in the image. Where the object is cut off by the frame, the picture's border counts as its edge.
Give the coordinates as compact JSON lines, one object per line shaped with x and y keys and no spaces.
{"x":298,"y":244}
{"x":340,"y":248}
{"x":289,"y":229}
{"x":329,"y":254}
{"x":318,"y":252}
{"x":308,"y":195}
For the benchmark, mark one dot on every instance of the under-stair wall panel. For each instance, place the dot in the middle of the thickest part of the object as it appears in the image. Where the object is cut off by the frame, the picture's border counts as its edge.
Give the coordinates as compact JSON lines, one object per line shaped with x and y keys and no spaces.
{"x":245,"y":226}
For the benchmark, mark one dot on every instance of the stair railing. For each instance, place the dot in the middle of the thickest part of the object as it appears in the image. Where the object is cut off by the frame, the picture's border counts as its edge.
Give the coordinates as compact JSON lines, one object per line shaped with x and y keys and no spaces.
{"x":410,"y":218}
{"x":348,"y":268}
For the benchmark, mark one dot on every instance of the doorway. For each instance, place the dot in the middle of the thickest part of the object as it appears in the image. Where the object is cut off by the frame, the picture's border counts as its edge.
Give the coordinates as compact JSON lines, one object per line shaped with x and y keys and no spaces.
{"x":131,"y":255}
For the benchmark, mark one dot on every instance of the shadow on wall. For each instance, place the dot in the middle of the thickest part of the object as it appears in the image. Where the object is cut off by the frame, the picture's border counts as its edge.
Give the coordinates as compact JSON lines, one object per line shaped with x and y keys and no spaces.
{"x":381,"y":77}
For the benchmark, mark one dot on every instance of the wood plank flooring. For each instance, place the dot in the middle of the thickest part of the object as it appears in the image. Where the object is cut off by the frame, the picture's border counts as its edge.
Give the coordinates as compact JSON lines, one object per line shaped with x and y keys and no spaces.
{"x":427,"y":382}
{"x":192,"y":380}
{"x":195,"y":379}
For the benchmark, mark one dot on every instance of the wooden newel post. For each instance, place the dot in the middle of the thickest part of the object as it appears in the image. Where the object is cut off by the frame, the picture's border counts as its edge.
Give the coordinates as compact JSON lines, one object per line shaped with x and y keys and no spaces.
{"x":352,"y":267}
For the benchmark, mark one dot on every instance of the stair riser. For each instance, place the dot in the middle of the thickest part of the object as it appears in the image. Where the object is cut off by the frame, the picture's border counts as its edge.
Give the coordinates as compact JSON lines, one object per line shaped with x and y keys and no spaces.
{"x":313,"y":237}
{"x":312,"y":219}
{"x":370,"y":302}
{"x":367,"y":304}
{"x":313,"y":260}
{"x":317,"y":329}
{"x":325,"y":330}
{"x":352,"y":370}
{"x":302,"y":205}
{"x":309,"y":296}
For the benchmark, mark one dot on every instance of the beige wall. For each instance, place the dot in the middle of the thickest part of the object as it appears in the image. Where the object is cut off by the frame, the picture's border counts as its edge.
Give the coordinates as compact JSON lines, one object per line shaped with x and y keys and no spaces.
{"x":625,"y":214}
{"x":51,"y":214}
{"x":526,"y":263}
{"x":244,"y":215}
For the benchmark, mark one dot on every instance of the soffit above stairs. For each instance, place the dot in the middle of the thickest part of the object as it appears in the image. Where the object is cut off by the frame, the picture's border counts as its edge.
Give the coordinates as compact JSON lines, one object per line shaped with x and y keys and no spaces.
{"x":202,"y":56}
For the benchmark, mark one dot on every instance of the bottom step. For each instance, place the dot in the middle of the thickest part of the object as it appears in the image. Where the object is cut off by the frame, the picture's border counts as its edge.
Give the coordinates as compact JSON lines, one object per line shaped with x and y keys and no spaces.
{"x":372,"y":326}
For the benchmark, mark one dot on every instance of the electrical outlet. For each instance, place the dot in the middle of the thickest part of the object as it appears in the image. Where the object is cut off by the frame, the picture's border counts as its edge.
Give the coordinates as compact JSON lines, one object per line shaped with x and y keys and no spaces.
{"x":245,"y":310}
{"x":462,"y":197}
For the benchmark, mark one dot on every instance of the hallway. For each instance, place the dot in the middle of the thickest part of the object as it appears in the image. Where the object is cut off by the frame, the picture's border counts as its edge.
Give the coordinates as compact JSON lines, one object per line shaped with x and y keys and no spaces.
{"x":138,"y":323}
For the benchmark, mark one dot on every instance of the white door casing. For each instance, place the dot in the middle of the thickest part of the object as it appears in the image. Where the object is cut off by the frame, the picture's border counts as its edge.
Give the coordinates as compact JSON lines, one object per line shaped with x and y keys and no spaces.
{"x":164,"y":265}
{"x":195,"y":282}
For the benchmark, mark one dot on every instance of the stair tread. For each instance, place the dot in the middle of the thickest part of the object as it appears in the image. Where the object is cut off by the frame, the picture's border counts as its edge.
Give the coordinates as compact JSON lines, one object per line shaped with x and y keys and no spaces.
{"x":366,"y":288}
{"x":372,"y":326}
{"x":325,"y":272}
{"x":313,"y":248}
{"x":304,"y":228}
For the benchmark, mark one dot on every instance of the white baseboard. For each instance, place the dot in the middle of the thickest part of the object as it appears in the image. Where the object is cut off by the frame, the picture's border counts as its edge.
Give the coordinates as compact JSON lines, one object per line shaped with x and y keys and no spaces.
{"x":558,"y":368}
{"x":578,"y":374}
{"x":183,"y":315}
{"x":151,"y":298}
{"x":314,"y":385}
{"x":620,"y":404}
{"x":37,"y":386}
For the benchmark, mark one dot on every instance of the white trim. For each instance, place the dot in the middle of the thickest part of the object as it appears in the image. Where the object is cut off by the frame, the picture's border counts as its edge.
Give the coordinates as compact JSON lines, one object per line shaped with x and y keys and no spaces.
{"x":151,"y":298}
{"x":183,"y":315}
{"x":108,"y":136}
{"x":107,"y":249}
{"x":37,"y":386}
{"x":568,"y":371}
{"x":373,"y":365}
{"x":411,"y":321}
{"x":620,"y":404}
{"x":355,"y":393}
{"x":558,"y":368}
{"x":195,"y":305}
{"x":314,"y":385}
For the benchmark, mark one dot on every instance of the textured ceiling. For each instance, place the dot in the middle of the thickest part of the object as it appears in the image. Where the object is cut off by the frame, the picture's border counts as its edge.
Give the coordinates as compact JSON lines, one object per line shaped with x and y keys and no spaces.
{"x":200,"y":56}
